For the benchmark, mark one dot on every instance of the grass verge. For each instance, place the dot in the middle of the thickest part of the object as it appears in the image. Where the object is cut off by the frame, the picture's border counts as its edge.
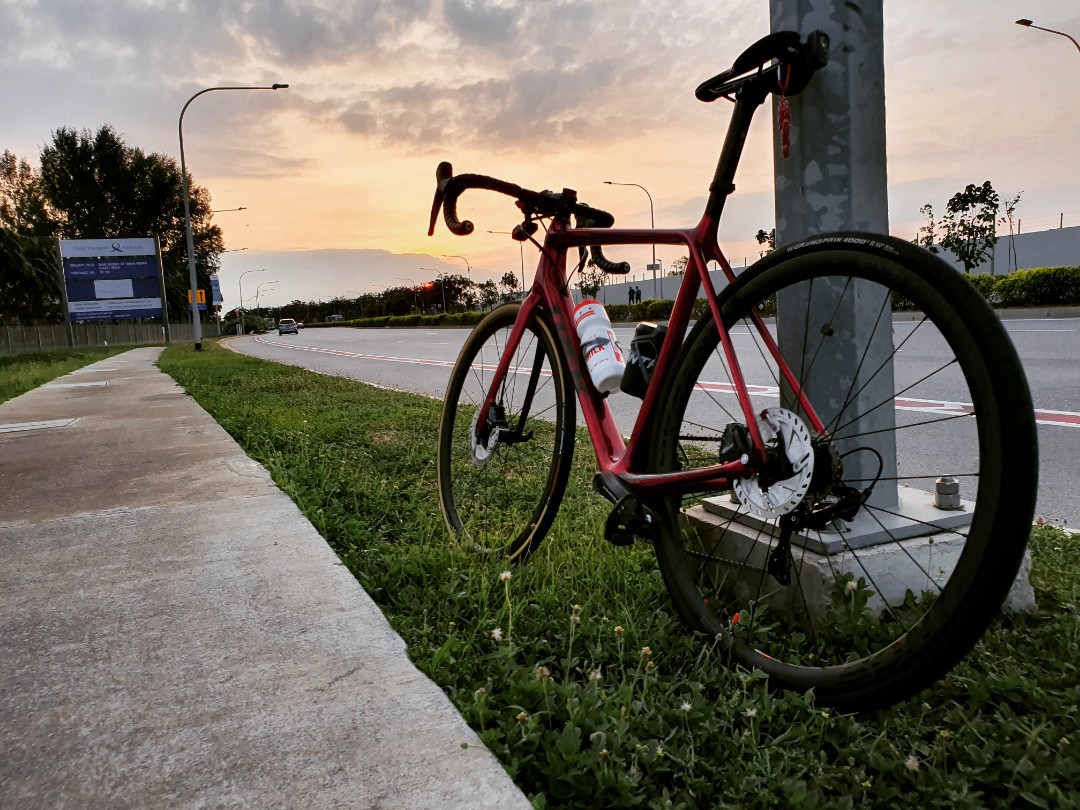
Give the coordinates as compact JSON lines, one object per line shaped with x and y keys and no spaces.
{"x":24,"y":372}
{"x":575,"y":671}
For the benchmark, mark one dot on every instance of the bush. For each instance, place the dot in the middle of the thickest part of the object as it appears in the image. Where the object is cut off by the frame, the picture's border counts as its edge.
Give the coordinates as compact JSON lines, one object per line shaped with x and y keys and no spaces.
{"x":1038,"y":287}
{"x":987,"y":287}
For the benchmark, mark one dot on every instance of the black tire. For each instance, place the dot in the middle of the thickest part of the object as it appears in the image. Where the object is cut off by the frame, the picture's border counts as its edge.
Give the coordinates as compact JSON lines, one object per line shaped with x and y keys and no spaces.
{"x":824,"y":631}
{"x":501,"y":496}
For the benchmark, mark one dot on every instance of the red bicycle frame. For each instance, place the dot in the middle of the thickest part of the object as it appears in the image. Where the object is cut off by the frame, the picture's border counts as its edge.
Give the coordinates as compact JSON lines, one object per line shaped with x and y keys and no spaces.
{"x":626,"y":460}
{"x":550,"y":293}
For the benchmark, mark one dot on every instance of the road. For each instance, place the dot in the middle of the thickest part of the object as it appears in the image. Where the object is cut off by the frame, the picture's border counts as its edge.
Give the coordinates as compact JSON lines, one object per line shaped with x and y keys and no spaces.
{"x":420,"y":360}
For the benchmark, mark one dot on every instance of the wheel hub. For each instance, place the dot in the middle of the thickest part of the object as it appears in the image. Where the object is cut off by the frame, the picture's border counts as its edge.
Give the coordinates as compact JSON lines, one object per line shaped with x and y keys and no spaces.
{"x":786,"y":436}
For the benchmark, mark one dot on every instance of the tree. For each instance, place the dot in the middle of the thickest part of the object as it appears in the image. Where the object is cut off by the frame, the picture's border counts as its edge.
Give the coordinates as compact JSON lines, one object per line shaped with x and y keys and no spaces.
{"x":98,"y":187}
{"x":22,"y":204}
{"x":590,"y":280}
{"x":29,"y":285}
{"x":509,"y":284}
{"x":489,"y":294}
{"x":458,"y":291}
{"x":1010,"y":210}
{"x":678,"y":267}
{"x":766,"y":239}
{"x":927,"y":233}
{"x":969,"y":226}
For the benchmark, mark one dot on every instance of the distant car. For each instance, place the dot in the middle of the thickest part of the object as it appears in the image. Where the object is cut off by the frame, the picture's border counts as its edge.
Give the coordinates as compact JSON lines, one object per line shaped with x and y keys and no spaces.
{"x":334,"y":318}
{"x":288,"y":326}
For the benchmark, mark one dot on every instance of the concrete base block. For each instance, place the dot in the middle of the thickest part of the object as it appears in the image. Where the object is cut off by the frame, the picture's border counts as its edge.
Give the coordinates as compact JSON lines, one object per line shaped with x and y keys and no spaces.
{"x":917,"y":564}
{"x":914,"y":515}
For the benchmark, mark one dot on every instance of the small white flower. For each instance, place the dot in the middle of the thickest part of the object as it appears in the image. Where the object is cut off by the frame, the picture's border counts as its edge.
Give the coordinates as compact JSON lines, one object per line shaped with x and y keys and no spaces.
{"x":595,"y":675}
{"x":496,"y":634}
{"x":751,"y":713}
{"x":851,"y":587}
{"x":504,"y":576}
{"x":686,"y":707}
{"x":912,"y":763}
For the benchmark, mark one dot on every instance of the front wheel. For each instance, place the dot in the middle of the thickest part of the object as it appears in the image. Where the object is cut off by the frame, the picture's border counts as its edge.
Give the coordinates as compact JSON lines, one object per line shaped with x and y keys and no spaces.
{"x":502,"y":474}
{"x":872,"y":553}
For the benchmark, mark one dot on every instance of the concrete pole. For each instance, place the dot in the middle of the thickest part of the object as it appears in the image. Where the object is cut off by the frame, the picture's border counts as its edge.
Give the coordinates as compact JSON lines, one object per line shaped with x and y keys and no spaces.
{"x":835,"y":179}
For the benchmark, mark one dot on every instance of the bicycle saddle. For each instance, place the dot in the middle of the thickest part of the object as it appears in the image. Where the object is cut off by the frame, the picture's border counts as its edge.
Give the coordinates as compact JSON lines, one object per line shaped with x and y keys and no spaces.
{"x":800,"y":60}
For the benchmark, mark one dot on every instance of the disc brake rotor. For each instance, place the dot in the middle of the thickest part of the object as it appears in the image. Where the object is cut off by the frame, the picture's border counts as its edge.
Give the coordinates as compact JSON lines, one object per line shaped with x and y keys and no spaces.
{"x":482,"y":451}
{"x":780,"y":428}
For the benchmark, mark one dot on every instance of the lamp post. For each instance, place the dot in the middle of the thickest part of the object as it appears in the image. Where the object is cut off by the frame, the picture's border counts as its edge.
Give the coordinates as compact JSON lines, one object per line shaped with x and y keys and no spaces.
{"x":359,"y":300}
{"x":441,"y":279}
{"x":652,"y":224}
{"x":196,"y":324}
{"x":240,"y":326}
{"x":1030,"y":24}
{"x":225,"y":210}
{"x":264,"y":284}
{"x":468,"y":268}
{"x":521,"y":253}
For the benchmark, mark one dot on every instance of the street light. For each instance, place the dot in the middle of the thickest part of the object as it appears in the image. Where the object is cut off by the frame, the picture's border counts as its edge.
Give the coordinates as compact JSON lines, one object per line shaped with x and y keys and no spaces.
{"x":240,"y":326}
{"x":468,"y":269}
{"x":521,"y":253}
{"x":1030,"y":24}
{"x":264,"y":284}
{"x":652,"y":224}
{"x":442,"y":282}
{"x":223,"y":210}
{"x":359,"y":300}
{"x":196,"y":324}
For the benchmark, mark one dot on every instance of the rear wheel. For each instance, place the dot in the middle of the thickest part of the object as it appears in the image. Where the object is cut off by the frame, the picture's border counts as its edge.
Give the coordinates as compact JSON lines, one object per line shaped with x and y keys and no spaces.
{"x":502,"y":474}
{"x":909,"y":370}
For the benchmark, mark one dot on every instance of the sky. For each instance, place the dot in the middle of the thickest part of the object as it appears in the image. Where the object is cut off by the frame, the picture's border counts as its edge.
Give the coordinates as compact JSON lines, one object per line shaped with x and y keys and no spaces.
{"x":336,"y":173}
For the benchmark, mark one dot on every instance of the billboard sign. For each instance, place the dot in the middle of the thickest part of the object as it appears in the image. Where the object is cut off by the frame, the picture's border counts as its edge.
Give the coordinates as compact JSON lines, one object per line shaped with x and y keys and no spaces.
{"x":107,"y":279}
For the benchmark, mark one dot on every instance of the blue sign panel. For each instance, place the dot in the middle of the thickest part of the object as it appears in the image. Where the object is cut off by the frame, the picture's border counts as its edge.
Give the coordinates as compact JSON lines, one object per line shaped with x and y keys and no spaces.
{"x":215,"y":290}
{"x":121,"y":281}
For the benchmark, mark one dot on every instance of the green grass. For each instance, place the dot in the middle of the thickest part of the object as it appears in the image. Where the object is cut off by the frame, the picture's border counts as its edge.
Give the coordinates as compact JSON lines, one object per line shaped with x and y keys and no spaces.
{"x":569,"y":700}
{"x":24,"y":372}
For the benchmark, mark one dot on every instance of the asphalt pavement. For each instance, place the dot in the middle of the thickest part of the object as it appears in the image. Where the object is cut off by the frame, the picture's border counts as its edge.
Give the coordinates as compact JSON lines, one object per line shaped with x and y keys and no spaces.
{"x":175,"y":633}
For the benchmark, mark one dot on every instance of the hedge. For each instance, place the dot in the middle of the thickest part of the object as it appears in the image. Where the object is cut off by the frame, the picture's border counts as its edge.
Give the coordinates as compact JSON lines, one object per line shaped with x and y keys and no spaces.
{"x":1038,"y":287}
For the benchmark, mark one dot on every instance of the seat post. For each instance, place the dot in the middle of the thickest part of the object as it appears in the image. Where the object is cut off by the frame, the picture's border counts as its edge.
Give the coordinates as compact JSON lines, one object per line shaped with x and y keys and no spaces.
{"x":748,"y":98}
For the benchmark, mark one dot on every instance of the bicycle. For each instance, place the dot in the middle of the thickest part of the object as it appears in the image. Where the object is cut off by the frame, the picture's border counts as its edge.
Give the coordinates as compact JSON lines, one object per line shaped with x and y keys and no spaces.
{"x":744,"y":401}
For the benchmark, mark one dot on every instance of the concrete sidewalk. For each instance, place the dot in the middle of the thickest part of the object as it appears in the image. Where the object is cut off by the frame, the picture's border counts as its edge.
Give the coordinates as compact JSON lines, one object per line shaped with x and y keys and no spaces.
{"x":175,"y":633}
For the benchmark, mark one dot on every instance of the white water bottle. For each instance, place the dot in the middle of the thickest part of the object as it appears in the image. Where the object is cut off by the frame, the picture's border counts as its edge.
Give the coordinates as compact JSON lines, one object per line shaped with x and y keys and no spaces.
{"x":603,"y":355}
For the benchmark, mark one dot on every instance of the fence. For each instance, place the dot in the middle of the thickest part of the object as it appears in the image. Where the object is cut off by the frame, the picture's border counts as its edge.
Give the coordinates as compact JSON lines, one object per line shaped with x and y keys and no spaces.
{"x":26,"y":339}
